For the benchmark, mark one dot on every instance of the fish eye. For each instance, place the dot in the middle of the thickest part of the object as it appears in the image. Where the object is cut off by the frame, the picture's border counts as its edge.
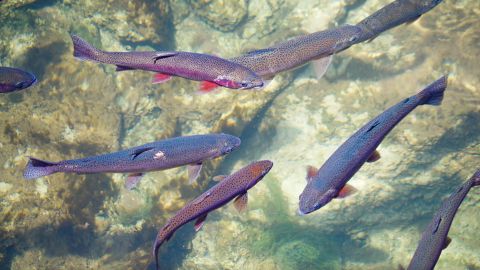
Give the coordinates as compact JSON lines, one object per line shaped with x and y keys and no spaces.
{"x":244,"y":84}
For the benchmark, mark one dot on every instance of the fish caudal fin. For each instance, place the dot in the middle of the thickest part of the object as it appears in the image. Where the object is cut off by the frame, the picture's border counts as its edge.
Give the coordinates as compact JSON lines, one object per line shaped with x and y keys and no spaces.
{"x":83,"y":50}
{"x":433,"y":94}
{"x":37,"y":168}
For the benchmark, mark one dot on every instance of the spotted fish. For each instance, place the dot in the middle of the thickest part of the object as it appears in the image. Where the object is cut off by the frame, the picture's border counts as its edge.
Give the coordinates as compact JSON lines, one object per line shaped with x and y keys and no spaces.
{"x":160,"y":155}
{"x":434,"y":238}
{"x":211,"y":70}
{"x":396,"y":13}
{"x":233,"y":186}
{"x":14,"y":79}
{"x":330,"y":181}
{"x":318,"y":47}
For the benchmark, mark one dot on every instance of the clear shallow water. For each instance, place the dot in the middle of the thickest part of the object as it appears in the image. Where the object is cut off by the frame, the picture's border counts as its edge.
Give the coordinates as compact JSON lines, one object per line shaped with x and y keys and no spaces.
{"x":79,"y":109}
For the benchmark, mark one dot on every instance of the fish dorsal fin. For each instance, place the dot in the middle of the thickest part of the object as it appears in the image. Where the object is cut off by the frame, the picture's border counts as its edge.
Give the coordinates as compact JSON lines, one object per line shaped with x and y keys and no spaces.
{"x":437,"y":225}
{"x":260,"y":52}
{"x":132,"y":180}
{"x":321,"y":66}
{"x":193,"y":172}
{"x":311,"y":172}
{"x":162,"y":55}
{"x":139,"y":151}
{"x":199,"y":222}
{"x":241,"y":202}
{"x":347,"y":190}
{"x":374,"y":157}
{"x":413,"y":20}
{"x":219,"y":178}
{"x":448,"y":240}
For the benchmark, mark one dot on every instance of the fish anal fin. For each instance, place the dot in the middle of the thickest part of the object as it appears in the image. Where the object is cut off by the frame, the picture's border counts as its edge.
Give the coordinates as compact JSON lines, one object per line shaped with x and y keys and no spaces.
{"x":193,"y":172}
{"x":311,"y":172}
{"x":448,"y":240}
{"x":219,"y":178}
{"x":132,"y":180}
{"x":346,"y":191}
{"x":321,"y":65}
{"x":374,"y":157}
{"x":199,"y":222}
{"x":241,"y":202}
{"x":160,"y":78}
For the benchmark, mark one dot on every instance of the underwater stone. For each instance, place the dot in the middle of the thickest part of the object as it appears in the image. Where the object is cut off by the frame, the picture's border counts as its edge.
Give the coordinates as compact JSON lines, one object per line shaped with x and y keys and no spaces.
{"x":220,"y":14}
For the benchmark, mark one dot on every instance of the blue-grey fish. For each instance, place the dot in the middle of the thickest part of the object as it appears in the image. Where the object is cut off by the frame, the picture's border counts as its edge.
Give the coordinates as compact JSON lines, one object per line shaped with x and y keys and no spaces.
{"x":14,"y":79}
{"x":396,"y":13}
{"x":234,"y":186}
{"x":159,"y":155}
{"x":435,"y":237}
{"x":330,"y":181}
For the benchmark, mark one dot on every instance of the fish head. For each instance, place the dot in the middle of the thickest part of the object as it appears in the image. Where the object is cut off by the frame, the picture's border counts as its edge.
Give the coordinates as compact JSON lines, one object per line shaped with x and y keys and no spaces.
{"x":257,"y":170}
{"x":227,"y":143}
{"x":425,"y":6}
{"x":313,"y":199}
{"x":349,"y":34}
{"x":13,"y":79}
{"x":240,"y":78}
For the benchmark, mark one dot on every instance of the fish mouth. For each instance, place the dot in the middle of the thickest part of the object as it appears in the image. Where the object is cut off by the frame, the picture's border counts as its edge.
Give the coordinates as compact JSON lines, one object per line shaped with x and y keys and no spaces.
{"x":300,"y":212}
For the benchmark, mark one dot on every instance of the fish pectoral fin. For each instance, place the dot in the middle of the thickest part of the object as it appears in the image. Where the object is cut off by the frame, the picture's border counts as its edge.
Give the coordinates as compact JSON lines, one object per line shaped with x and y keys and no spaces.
{"x":123,"y":68}
{"x":400,"y":267}
{"x":346,"y":191}
{"x":162,"y":55}
{"x":139,"y":151}
{"x":193,"y":172}
{"x":321,"y":66}
{"x":207,"y":87}
{"x":219,"y":178}
{"x":241,"y":202}
{"x":199,"y":222}
{"x":160,"y":78}
{"x":413,"y":20}
{"x":311,"y":172}
{"x":448,"y":240}
{"x":132,"y":180}
{"x":374,"y":157}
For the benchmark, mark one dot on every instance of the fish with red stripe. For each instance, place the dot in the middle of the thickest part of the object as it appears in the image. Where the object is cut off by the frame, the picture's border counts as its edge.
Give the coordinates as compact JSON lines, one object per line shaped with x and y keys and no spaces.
{"x":234,"y":186}
{"x":211,"y":70}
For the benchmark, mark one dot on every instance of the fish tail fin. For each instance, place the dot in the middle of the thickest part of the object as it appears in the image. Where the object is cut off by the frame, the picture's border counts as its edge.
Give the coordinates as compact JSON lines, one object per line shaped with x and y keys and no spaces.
{"x":433,"y":94}
{"x":476,"y":178}
{"x":37,"y":168}
{"x":156,"y":247}
{"x":83,"y":50}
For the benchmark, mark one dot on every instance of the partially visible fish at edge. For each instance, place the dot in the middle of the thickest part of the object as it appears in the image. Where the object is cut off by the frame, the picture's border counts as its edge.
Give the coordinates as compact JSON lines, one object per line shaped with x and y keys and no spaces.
{"x":435,"y":237}
{"x":15,"y":79}
{"x":394,"y":14}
